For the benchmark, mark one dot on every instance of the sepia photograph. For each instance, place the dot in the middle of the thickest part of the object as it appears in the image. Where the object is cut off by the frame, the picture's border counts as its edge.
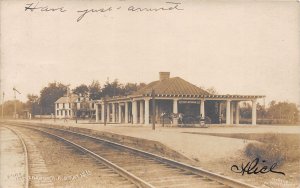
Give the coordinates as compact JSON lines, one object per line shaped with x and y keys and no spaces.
{"x":136,"y":93}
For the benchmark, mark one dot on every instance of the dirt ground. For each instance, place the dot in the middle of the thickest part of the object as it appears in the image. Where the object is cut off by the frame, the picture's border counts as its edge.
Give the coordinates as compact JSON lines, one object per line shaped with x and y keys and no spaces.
{"x":216,"y":153}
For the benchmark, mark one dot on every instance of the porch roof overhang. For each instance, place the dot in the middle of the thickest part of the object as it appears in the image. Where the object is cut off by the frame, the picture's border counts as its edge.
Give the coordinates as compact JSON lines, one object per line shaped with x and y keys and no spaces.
{"x":182,"y":97}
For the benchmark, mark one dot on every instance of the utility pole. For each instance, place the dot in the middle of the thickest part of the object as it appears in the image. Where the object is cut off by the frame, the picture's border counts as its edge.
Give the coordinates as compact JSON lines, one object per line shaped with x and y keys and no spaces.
{"x":153,"y":109}
{"x":2,"y":105}
{"x":15,"y":112}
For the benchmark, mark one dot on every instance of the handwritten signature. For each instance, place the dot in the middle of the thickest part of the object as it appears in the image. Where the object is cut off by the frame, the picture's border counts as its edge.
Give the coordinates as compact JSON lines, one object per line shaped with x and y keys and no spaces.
{"x":168,"y":6}
{"x":252,"y":168}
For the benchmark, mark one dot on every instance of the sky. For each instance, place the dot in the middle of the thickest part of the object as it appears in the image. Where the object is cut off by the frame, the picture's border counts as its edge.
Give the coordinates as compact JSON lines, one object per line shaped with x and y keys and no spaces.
{"x":248,"y":47}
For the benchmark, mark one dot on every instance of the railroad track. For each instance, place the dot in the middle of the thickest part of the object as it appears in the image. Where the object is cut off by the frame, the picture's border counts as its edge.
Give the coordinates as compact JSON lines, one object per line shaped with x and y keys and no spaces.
{"x":37,"y":174}
{"x":142,"y":168}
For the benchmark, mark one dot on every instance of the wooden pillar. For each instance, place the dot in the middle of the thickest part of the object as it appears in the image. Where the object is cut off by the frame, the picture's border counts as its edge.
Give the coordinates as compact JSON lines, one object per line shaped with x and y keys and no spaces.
{"x":228,"y":112}
{"x":97,"y":113}
{"x":175,"y":110}
{"x":202,"y":108}
{"x":113,"y":112}
{"x":102,"y":113}
{"x":220,"y":112}
{"x":237,"y":113}
{"x":120,"y":113}
{"x":134,"y":112}
{"x":147,"y":112}
{"x":141,"y":112}
{"x":108,"y":113}
{"x":126,"y":112}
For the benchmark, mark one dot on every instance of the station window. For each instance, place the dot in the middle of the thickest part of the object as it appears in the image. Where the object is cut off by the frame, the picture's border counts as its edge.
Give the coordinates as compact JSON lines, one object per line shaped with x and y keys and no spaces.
{"x":57,"y":105}
{"x":63,"y":105}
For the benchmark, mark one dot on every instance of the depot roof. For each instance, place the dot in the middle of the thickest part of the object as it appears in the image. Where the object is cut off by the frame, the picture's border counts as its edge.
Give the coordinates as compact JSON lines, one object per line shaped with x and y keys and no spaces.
{"x":171,"y":86}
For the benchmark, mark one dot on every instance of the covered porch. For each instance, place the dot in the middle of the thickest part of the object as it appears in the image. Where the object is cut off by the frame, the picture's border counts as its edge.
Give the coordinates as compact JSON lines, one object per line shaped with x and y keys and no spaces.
{"x":140,"y":109}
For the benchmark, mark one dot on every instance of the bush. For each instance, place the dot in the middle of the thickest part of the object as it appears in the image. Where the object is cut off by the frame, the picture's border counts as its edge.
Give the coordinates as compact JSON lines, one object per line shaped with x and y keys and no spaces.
{"x":275,"y":148}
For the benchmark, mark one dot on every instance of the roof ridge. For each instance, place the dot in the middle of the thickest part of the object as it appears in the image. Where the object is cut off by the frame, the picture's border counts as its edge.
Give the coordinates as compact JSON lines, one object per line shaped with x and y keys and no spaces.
{"x":172,"y":86}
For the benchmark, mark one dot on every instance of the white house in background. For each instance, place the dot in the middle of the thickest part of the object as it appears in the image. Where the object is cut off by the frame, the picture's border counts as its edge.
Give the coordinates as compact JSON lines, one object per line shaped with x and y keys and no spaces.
{"x":68,"y":105}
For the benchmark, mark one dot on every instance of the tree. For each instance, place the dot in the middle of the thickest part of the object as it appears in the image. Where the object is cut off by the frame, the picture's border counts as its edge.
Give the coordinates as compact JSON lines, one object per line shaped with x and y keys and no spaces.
{"x":212,"y":90}
{"x":117,"y":89}
{"x":261,"y":111}
{"x":49,"y":95}
{"x":9,"y":108}
{"x":112,"y":89}
{"x":95,"y":90}
{"x":130,"y":88}
{"x":81,"y":90}
{"x":285,"y":111}
{"x":32,"y":104}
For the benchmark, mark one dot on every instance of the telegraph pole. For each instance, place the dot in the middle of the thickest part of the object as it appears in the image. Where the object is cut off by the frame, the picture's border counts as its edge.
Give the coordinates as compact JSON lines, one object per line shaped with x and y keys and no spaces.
{"x":15,"y":112}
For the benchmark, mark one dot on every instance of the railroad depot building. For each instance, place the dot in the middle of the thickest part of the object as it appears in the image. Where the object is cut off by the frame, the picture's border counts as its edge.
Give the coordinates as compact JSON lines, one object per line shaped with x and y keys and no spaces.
{"x":172,"y":95}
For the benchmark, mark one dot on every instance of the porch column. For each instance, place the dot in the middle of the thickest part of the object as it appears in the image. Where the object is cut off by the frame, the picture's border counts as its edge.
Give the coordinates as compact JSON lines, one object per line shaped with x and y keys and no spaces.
{"x":108,"y":113}
{"x":220,"y":112}
{"x":175,"y":110}
{"x":126,"y":112}
{"x":237,"y":113}
{"x":254,"y":112}
{"x":120,"y":113}
{"x":228,"y":112}
{"x":147,"y":112}
{"x":113,"y":112}
{"x":202,"y":108}
{"x":134,"y":112}
{"x":102,"y":112}
{"x":141,"y":112}
{"x":97,"y":113}
{"x":231,"y":113}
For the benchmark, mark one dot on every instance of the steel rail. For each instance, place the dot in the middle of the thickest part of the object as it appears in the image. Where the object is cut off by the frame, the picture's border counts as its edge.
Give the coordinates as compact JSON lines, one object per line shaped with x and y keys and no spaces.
{"x":131,"y":177}
{"x":26,"y":159}
{"x":195,"y":170}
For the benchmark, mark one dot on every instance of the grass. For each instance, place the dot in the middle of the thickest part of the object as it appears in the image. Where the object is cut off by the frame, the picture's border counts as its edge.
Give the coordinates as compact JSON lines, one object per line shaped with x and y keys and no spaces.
{"x":279,"y":148}
{"x":272,"y":147}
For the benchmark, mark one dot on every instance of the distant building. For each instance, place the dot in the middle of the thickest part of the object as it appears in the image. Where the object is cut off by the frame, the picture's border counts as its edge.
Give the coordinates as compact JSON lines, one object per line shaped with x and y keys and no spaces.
{"x":71,"y":104}
{"x":172,"y":95}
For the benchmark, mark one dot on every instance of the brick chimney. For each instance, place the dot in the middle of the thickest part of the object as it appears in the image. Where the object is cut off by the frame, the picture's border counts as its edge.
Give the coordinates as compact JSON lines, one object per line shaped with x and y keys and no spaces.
{"x":164,"y":75}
